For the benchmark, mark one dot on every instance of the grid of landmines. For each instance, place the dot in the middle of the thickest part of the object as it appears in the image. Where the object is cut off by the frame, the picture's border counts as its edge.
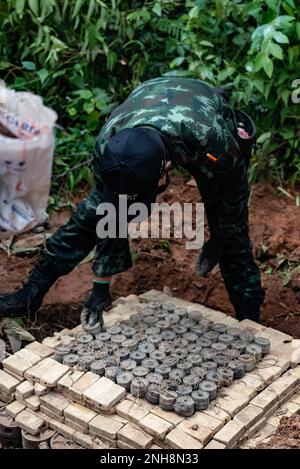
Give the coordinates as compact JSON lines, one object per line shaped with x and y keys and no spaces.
{"x":96,"y":412}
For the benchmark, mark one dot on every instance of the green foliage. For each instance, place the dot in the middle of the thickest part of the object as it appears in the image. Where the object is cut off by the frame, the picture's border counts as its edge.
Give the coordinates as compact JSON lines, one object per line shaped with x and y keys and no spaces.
{"x":85,"y":56}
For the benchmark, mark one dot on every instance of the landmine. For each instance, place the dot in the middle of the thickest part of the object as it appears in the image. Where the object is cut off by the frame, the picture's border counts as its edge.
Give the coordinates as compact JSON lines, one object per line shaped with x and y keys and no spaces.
{"x":97,"y":409}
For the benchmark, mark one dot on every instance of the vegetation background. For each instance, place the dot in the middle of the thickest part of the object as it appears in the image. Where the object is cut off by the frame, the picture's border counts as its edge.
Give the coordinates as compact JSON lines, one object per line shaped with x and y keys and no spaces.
{"x":85,"y":56}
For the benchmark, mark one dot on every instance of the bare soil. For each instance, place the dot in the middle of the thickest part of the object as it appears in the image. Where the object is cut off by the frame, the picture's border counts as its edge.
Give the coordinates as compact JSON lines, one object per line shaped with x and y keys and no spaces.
{"x":287,"y":435}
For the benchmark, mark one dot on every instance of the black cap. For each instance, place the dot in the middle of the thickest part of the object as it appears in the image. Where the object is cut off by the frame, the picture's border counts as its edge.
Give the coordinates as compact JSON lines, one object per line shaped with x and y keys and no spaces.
{"x":132,"y":163}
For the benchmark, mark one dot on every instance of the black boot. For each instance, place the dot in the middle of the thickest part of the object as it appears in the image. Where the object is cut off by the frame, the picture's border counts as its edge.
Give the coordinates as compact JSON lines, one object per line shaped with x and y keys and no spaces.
{"x":29,"y":298}
{"x":253,"y":315}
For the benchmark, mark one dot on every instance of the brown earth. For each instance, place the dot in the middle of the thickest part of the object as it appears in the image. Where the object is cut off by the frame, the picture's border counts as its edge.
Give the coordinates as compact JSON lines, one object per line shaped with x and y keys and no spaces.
{"x":287,"y":435}
{"x":274,"y":227}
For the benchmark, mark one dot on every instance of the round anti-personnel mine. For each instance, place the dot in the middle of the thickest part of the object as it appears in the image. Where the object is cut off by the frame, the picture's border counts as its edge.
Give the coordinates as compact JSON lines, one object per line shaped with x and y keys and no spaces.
{"x":167,"y":400}
{"x":112,"y":347}
{"x":148,"y":311}
{"x":210,"y":387}
{"x":163,"y":370}
{"x":172,"y":318}
{"x":155,"y":304}
{"x":158,"y":355}
{"x":247,"y":336}
{"x":188,"y":323}
{"x":166,"y":347}
{"x":214,"y":376}
{"x":101,"y":354}
{"x":97,"y":345}
{"x":198,"y":329}
{"x":171,"y":361}
{"x":169,"y":307}
{"x":221,"y":359}
{"x":234,"y":331}
{"x":146,"y":348}
{"x":85,"y":338}
{"x":205,"y":323}
{"x":129,"y":332}
{"x":218,"y":347}
{"x":203,"y":342}
{"x":179,"y":329}
{"x":199,"y":371}
{"x":95,"y":329}
{"x":209,"y":365}
{"x":103,"y":336}
{"x":114,"y":330}
{"x":137,"y":356}
{"x":201,"y":399}
{"x":195,"y":359}
{"x":225,"y":339}
{"x":118,"y":339}
{"x":150,"y":320}
{"x":176,"y":375}
{"x":211,"y":335}
{"x":138,"y":387}
{"x":184,"y":389}
{"x":154,"y":378}
{"x":184,"y":405}
{"x":232,"y":353}
{"x":191,"y":380}
{"x":112,"y":372}
{"x":255,"y":350}
{"x":152,"y":393}
{"x":140,"y":371}
{"x":140,"y":337}
{"x":128,"y":365}
{"x":248,"y":360}
{"x":60,"y":352}
{"x":239,"y":345}
{"x":238,"y":368}
{"x":152,"y":330}
{"x":160,"y":315}
{"x":191,"y":337}
{"x":150,"y":363}
{"x":195,"y":315}
{"x":226,"y":376}
{"x":124,"y":379}
{"x":122,"y":353}
{"x":86,"y":361}
{"x":162,"y":324}
{"x":168,"y":335}
{"x":219,"y":327}
{"x":154,"y":339}
{"x":130,"y":344}
{"x":180,"y":342}
{"x":208,"y":354}
{"x":264,"y":343}
{"x":182,"y":312}
{"x":71,"y":359}
{"x":180,"y":353}
{"x":194,"y":349}
{"x":111,"y":360}
{"x":98,"y":367}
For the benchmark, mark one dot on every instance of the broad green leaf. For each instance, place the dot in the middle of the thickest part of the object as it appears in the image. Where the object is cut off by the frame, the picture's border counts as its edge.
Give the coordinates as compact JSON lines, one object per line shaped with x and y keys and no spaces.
{"x":259,"y":61}
{"x":28,"y":65}
{"x":43,"y":75}
{"x":4,"y":65}
{"x":280,"y":38}
{"x":273,"y":4}
{"x":268,"y":67}
{"x":88,"y":107}
{"x":77,"y":8}
{"x":34,"y":6}
{"x":283,"y":20}
{"x":264,"y":137}
{"x":206,"y":43}
{"x":20,"y":7}
{"x":157,"y":9}
{"x":298,"y":29}
{"x":194,"y":12}
{"x":276,"y":51}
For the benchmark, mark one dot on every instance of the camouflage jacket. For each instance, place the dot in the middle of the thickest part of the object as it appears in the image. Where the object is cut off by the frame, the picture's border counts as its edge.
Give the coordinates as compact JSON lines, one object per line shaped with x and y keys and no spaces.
{"x":199,"y":129}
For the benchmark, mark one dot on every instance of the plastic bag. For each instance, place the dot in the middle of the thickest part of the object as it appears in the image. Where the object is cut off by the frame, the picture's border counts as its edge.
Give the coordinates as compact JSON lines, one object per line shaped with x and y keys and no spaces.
{"x":26,"y":157}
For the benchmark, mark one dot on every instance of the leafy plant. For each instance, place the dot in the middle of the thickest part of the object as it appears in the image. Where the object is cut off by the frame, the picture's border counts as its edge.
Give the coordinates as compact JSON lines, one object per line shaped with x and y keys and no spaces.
{"x":85,"y":56}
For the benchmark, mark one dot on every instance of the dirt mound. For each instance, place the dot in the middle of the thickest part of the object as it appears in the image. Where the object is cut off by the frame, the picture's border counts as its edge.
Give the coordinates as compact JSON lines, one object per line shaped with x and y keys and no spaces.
{"x":287,"y":435}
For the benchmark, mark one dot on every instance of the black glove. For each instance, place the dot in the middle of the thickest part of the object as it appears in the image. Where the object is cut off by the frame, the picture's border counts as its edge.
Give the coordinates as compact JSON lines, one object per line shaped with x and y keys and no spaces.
{"x":209,"y":256}
{"x":98,"y":300}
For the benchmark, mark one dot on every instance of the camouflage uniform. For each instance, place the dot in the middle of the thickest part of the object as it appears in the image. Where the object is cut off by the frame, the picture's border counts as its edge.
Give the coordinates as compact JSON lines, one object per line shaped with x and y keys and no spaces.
{"x":194,"y":120}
